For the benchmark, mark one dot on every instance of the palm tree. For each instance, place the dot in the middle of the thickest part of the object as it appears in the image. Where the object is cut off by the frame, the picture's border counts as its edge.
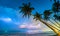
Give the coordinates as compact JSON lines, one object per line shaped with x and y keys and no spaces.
{"x":56,"y":10}
{"x":57,"y":17}
{"x":38,"y":17}
{"x":55,"y":7}
{"x":47,"y":14}
{"x":26,"y":9}
{"x":47,"y":17}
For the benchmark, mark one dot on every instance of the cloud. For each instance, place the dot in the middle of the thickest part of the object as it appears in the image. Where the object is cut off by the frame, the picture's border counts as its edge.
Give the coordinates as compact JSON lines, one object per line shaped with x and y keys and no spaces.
{"x":30,"y":26}
{"x":7,"y":14}
{"x":6,"y":19}
{"x":34,"y":26}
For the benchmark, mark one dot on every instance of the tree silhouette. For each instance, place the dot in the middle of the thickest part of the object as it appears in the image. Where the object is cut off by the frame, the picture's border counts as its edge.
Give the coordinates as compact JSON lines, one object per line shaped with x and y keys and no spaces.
{"x":47,"y":14}
{"x":56,"y":10}
{"x":56,"y":7}
{"x":37,"y":16}
{"x":47,"y":17}
{"x":26,"y":9}
{"x":57,"y":17}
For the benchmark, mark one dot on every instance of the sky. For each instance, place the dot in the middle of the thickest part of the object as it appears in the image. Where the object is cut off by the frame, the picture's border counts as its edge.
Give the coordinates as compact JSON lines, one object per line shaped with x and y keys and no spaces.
{"x":10,"y":19}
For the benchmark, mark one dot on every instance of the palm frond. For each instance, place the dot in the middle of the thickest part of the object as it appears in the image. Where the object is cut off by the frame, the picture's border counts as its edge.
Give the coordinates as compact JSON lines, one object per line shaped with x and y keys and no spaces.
{"x":26,"y":9}
{"x":37,"y":16}
{"x":46,"y":14}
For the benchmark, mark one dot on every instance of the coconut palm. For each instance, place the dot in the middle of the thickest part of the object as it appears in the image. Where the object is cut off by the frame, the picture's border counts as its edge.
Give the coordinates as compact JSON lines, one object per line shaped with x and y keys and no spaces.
{"x":26,"y":9}
{"x":57,"y":17}
{"x":56,"y":10}
{"x":37,"y":16}
{"x":47,"y":17}
{"x":55,"y":7}
{"x":47,"y":14}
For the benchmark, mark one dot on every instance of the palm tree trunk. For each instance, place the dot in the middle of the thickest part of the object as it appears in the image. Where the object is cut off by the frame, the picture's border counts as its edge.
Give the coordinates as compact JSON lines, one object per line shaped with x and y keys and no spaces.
{"x":55,"y":24}
{"x":55,"y":20}
{"x":51,"y":27}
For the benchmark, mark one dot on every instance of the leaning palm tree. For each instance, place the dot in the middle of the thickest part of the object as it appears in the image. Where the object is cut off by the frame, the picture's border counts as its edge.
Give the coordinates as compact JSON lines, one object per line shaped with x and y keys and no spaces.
{"x":47,"y":17}
{"x":39,"y":17}
{"x":56,"y":10}
{"x":26,"y":9}
{"x":57,"y":17}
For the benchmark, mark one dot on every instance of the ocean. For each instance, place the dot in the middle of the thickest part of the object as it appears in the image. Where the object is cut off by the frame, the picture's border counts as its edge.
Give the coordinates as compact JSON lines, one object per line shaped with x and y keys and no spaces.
{"x":26,"y":34}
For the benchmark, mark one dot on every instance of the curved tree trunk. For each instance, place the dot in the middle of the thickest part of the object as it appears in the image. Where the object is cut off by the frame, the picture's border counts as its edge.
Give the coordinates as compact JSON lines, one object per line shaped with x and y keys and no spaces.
{"x":51,"y":27}
{"x":55,"y":24}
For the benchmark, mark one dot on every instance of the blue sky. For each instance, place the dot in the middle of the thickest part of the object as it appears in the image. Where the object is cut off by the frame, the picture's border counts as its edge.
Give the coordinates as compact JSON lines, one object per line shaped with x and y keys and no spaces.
{"x":9,"y":15}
